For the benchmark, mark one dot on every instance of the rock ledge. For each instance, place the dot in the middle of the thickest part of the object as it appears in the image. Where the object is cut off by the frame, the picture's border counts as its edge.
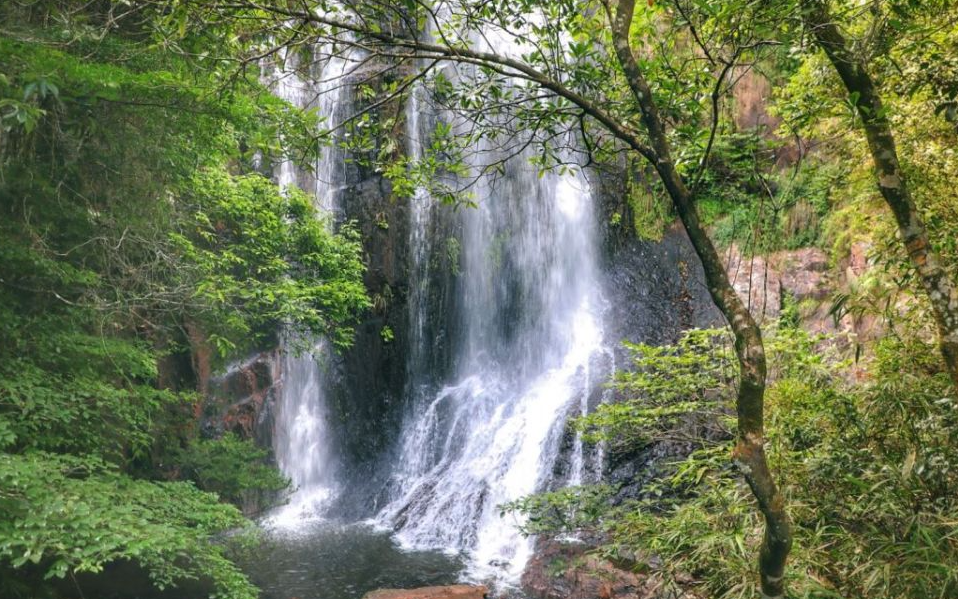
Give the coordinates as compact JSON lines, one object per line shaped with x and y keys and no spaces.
{"x":456,"y":591}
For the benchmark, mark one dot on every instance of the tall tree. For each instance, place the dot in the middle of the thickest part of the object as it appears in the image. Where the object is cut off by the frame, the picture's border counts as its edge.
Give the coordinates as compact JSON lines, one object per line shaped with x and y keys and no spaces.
{"x":749,"y":452}
{"x":892,"y":181}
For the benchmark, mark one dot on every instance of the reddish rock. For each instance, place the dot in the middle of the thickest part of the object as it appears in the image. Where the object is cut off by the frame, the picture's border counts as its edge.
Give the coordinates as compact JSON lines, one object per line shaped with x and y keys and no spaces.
{"x":757,"y":282}
{"x":803,"y":273}
{"x":751,"y":91}
{"x":807,"y":276}
{"x":858,"y":261}
{"x":456,"y":591}
{"x":750,"y":101}
{"x":568,"y":571}
{"x":240,"y":400}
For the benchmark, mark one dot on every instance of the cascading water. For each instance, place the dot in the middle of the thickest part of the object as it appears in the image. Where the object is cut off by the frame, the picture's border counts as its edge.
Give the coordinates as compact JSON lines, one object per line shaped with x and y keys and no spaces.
{"x":528,"y":350}
{"x":530,"y":353}
{"x":419,"y":240}
{"x":301,"y":440}
{"x":301,"y":437}
{"x":530,"y":306}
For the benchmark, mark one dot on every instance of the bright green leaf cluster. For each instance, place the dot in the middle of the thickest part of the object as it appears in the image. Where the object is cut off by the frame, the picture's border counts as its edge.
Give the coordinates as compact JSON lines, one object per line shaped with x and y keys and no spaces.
{"x":70,"y":514}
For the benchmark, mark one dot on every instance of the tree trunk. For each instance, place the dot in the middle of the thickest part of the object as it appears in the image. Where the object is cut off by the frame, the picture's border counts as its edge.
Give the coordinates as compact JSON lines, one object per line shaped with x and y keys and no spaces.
{"x":201,"y":356}
{"x":749,"y":452}
{"x":862,"y":92}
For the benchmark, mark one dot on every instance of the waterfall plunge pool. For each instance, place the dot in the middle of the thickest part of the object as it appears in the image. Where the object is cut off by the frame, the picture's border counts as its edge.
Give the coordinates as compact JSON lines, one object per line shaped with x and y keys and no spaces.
{"x":322,"y":559}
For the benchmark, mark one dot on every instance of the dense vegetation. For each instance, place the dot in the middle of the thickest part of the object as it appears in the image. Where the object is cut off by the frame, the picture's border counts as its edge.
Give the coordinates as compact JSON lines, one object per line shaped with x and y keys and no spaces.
{"x":140,"y":232}
{"x":135,"y":232}
{"x":869,"y":469}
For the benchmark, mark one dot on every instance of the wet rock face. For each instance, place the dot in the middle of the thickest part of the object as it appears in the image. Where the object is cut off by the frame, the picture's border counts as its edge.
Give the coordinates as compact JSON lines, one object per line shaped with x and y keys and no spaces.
{"x":656,"y":290}
{"x":456,"y":591}
{"x":243,"y":399}
{"x":567,"y":571}
{"x":367,"y":385}
{"x":366,"y":381}
{"x":653,"y":291}
{"x":631,"y":472}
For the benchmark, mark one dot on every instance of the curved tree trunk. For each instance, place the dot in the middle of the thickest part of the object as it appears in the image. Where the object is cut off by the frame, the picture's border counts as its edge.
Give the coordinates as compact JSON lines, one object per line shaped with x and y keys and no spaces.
{"x":749,"y":453}
{"x":892,"y":184}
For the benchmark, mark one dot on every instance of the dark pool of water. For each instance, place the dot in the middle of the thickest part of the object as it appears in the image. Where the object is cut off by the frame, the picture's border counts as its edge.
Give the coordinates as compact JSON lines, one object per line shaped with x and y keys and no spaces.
{"x":324,"y":560}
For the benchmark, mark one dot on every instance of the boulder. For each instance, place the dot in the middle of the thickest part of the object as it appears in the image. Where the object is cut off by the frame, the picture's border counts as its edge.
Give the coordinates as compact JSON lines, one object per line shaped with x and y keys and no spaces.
{"x":456,"y":591}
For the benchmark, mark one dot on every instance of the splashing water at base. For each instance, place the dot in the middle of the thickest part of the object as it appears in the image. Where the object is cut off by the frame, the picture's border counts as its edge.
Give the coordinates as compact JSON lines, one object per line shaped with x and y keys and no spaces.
{"x":529,"y":351}
{"x":301,"y":443}
{"x":301,"y":436}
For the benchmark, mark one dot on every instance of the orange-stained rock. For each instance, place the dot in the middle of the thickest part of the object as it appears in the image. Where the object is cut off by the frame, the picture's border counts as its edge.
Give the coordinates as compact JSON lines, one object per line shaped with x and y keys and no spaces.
{"x":456,"y":591}
{"x":569,"y":571}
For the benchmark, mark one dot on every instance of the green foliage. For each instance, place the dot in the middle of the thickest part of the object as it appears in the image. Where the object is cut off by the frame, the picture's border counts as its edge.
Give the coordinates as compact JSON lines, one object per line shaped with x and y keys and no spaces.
{"x":79,"y":393}
{"x":386,"y":334}
{"x":230,"y":467}
{"x":453,"y":254}
{"x":258,"y":258}
{"x":909,"y":48}
{"x":648,"y":205}
{"x":71,"y":514}
{"x":570,"y":509}
{"x":749,"y":203}
{"x":868,"y":469}
{"x":132,"y":233}
{"x":694,"y":375}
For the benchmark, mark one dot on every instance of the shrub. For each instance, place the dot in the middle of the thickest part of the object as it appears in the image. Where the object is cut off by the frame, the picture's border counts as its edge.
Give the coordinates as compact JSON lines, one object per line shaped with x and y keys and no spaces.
{"x":230,"y":467}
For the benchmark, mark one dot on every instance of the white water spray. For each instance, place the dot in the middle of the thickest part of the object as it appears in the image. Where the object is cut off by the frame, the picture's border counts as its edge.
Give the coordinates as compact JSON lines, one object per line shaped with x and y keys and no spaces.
{"x":301,"y":437}
{"x":530,"y":353}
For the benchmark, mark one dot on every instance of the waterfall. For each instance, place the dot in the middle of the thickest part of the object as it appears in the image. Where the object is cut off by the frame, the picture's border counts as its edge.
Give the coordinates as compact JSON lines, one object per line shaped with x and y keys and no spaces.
{"x":301,"y":440}
{"x":532,"y":354}
{"x":301,"y":437}
{"x":525,"y":334}
{"x":420,"y":244}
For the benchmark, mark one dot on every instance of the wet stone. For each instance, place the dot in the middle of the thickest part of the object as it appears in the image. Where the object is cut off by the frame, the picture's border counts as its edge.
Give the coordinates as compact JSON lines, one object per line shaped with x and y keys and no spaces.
{"x":456,"y":591}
